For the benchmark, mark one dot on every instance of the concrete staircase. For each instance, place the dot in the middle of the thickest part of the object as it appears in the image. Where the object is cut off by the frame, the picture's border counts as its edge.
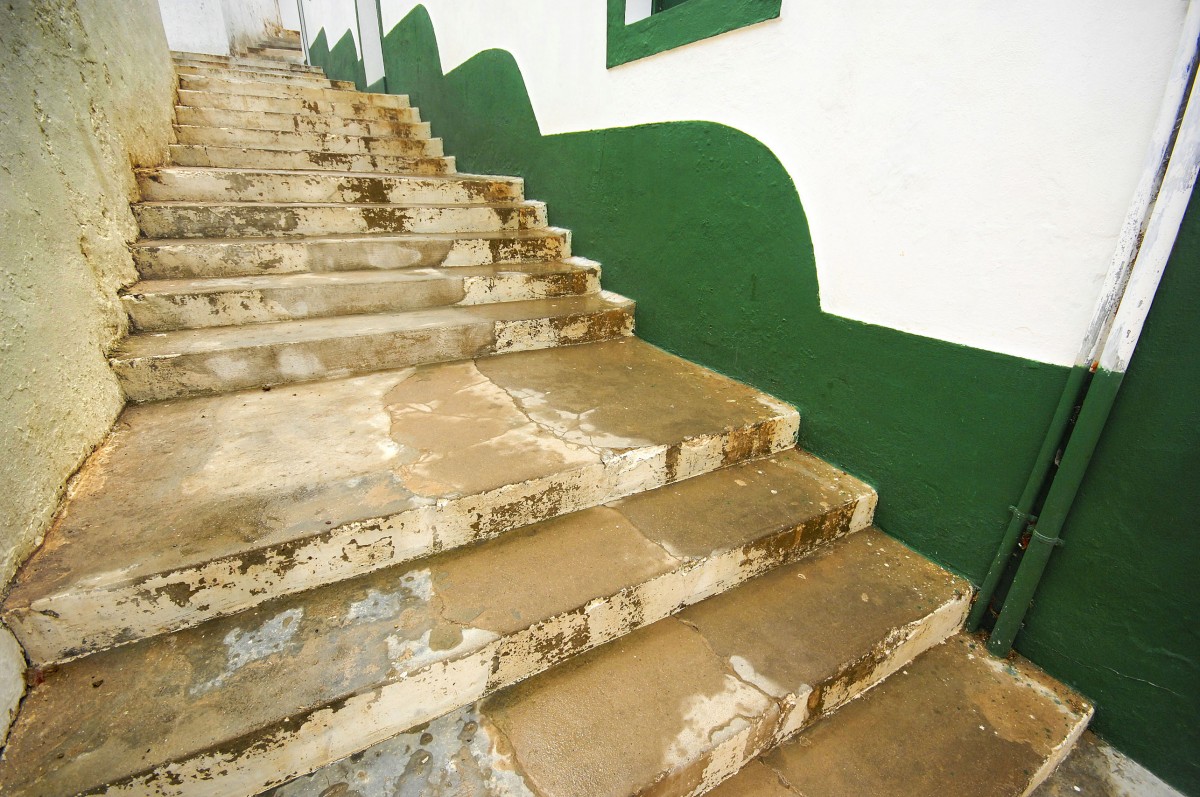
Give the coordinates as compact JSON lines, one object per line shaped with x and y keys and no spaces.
{"x":400,"y":507}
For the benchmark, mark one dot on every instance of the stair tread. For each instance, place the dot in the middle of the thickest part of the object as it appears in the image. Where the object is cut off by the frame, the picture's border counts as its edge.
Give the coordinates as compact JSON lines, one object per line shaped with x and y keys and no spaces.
{"x":223,"y":478}
{"x":330,"y":174}
{"x":321,"y":134}
{"x":975,"y":724}
{"x":204,"y":285}
{"x":218,"y":339}
{"x":190,"y":203}
{"x":490,"y":235}
{"x":666,"y":708}
{"x":199,"y":688}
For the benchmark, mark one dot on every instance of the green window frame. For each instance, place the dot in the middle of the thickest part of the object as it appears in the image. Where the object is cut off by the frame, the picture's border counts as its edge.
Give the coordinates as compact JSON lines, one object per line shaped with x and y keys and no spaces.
{"x":683,"y":24}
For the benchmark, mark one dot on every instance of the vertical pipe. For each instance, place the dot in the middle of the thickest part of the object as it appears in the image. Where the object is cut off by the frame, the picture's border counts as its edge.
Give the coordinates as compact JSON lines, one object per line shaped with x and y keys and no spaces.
{"x":303,"y":32}
{"x":1118,"y":344}
{"x":1128,"y":242}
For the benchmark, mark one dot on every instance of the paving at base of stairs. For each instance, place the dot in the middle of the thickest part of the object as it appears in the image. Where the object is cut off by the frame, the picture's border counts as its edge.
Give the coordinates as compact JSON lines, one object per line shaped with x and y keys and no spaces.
{"x":405,"y":510}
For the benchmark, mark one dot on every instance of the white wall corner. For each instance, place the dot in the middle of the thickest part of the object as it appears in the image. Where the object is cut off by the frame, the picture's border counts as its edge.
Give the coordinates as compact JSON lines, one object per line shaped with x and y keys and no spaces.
{"x":12,"y":680}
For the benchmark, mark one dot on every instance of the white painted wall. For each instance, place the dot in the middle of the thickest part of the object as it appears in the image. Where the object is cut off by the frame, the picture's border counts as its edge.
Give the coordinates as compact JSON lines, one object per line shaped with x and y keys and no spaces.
{"x":195,"y":26}
{"x":965,"y":164}
{"x":218,"y":26}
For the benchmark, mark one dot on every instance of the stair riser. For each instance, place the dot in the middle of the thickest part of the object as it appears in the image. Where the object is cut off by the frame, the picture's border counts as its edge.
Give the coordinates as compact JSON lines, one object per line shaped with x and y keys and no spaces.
{"x":370,"y":718}
{"x":741,"y":740}
{"x":347,"y":106}
{"x":238,"y":259}
{"x":202,"y":68}
{"x":247,"y":220}
{"x":249,"y":89}
{"x":206,"y":59}
{"x":250,"y":158}
{"x":289,"y":55}
{"x":306,"y":141}
{"x":113,"y":614}
{"x":494,"y":663}
{"x":257,"y":78}
{"x":155,"y":379}
{"x":195,"y":311}
{"x":238,"y":186}
{"x":300,"y":123}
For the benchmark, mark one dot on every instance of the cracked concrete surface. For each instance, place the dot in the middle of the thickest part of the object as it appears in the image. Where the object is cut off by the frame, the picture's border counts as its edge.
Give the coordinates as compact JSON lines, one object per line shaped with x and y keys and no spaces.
{"x":224,"y":502}
{"x":954,"y":721}
{"x":351,"y":663}
{"x":681,"y":704}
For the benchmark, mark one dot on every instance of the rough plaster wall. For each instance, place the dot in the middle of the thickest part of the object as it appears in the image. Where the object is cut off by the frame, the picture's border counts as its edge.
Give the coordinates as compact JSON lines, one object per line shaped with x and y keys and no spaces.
{"x":195,"y":26}
{"x":248,"y":22}
{"x":87,"y":92}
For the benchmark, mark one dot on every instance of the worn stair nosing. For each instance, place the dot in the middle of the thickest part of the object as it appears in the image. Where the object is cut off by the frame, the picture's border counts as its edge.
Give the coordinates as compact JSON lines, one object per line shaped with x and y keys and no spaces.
{"x":52,"y":626}
{"x":166,"y":306}
{"x":718,"y":757}
{"x":516,"y":655}
{"x":234,"y":257}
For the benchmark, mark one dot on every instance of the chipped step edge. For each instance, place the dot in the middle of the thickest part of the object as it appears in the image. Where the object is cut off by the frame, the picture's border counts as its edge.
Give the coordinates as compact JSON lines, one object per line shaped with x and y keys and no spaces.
{"x":495,"y":663}
{"x":290,"y":256}
{"x":78,"y":621}
{"x":167,"y":312}
{"x":810,"y":702}
{"x":198,"y":220}
{"x":159,"y":377}
{"x":787,"y":709}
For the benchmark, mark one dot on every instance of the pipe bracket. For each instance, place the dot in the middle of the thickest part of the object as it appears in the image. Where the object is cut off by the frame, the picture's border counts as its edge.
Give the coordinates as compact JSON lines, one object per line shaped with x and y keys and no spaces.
{"x":1054,"y":542}
{"x":1025,"y":517}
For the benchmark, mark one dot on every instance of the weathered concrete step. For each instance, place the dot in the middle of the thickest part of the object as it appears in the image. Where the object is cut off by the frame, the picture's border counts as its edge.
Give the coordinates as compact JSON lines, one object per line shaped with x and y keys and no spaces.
{"x":255,"y":76}
{"x":198,"y":508}
{"x":348,"y":107}
{"x":158,"y":306}
{"x":240,"y":62}
{"x":266,"y":86}
{"x":256,"y":158}
{"x":237,"y":257}
{"x":339,"y":91}
{"x":285,"y":54}
{"x":300,"y":122}
{"x":673,"y":708}
{"x":308,"y":140}
{"x":175,"y":184}
{"x":199,"y":66}
{"x":956,"y":721}
{"x":420,"y":639}
{"x":232,"y":219}
{"x":163,"y":365}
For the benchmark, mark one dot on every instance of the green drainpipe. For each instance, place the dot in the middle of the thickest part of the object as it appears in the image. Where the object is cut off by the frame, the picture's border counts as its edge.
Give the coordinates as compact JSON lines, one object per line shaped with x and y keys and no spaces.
{"x":1045,"y":531}
{"x":1022,"y":512}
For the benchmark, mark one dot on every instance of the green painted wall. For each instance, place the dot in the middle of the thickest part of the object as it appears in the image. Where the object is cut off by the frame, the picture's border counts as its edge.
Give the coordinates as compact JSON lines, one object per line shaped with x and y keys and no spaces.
{"x":703,"y":227}
{"x":340,"y":63}
{"x":1119,"y":612}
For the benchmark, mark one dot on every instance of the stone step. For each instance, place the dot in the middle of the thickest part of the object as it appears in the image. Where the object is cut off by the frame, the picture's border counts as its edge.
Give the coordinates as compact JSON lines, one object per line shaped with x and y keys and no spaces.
{"x":414,"y":641}
{"x":160,"y":306}
{"x":300,"y":122}
{"x":349,"y":105}
{"x":258,"y":158}
{"x":287,"y":55}
{"x":165,"y":365}
{"x":233,"y":219}
{"x":254,"y":76}
{"x":338,"y":91}
{"x":674,"y":707}
{"x":956,"y":721}
{"x":199,"y":508}
{"x":175,"y":184}
{"x":245,"y":62}
{"x":238,"y":257}
{"x":196,"y":66}
{"x":307,"y":141}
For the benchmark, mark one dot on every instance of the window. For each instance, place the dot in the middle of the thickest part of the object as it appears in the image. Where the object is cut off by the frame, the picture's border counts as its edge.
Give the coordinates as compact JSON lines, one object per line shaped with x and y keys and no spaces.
{"x":633,"y":33}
